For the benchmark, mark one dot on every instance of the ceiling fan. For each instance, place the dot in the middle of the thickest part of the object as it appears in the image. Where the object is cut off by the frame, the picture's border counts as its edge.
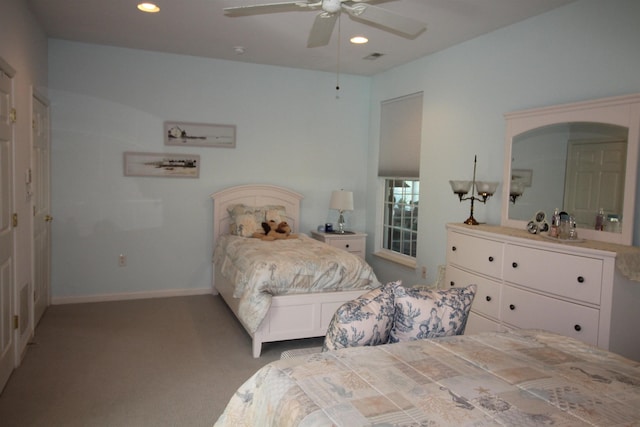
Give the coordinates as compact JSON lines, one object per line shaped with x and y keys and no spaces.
{"x":325,"y":21}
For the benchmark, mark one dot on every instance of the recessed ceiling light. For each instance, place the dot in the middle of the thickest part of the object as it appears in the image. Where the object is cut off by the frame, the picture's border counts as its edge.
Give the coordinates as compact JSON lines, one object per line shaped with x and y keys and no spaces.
{"x":358,"y":40}
{"x":148,"y":7}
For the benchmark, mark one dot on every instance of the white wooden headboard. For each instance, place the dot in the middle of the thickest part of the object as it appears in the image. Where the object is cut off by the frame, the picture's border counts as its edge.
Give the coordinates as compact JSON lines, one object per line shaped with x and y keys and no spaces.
{"x":254,"y":195}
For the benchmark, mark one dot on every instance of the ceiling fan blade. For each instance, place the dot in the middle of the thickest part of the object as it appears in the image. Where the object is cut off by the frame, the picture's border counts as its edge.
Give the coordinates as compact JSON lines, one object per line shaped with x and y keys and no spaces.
{"x":387,"y":19}
{"x":322,"y":29}
{"x":258,"y":9}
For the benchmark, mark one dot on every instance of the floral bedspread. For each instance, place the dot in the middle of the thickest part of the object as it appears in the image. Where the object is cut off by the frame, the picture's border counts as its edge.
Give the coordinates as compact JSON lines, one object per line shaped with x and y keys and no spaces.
{"x":519,"y":378}
{"x":261,"y":269}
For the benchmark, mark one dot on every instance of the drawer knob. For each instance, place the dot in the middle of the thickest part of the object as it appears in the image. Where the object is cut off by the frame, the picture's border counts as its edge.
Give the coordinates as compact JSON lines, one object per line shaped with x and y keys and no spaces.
{"x":490,"y":259}
{"x":580,"y":279}
{"x":512,"y":307}
{"x":452,"y":283}
{"x":346,"y":246}
{"x":488,"y":298}
{"x":577,"y":328}
{"x":514,"y":264}
{"x":453,"y":248}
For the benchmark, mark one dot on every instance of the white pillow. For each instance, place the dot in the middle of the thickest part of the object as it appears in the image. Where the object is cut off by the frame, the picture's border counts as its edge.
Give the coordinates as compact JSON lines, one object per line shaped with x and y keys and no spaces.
{"x":270,"y":213}
{"x":245,"y":225}
{"x":239,"y":209}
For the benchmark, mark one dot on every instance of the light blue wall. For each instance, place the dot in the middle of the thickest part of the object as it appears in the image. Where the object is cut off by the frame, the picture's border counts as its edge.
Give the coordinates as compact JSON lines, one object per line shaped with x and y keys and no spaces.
{"x":291,"y":131}
{"x":587,"y":49}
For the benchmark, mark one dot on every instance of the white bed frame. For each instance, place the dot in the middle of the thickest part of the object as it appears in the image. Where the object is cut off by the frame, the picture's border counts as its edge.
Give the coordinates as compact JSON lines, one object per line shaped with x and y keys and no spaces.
{"x":290,"y":316}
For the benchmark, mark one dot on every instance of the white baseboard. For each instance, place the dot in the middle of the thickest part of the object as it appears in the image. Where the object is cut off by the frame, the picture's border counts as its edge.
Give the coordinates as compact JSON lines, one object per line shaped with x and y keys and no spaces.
{"x":130,"y":296}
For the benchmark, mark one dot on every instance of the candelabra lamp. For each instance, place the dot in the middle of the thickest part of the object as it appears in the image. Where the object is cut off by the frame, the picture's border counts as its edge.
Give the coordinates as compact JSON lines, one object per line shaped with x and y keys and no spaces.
{"x":483,"y":189}
{"x":341,"y":201}
{"x":515,"y":191}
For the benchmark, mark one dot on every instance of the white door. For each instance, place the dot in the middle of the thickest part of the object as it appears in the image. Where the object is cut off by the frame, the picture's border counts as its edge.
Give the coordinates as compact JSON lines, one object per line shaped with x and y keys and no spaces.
{"x":41,"y":208}
{"x":7,"y":338}
{"x":595,"y":179}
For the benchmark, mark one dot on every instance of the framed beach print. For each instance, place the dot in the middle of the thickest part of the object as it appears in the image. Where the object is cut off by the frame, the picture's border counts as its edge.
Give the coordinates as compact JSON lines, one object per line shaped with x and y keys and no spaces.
{"x":199,"y":134}
{"x":523,"y":176}
{"x":171,"y":165}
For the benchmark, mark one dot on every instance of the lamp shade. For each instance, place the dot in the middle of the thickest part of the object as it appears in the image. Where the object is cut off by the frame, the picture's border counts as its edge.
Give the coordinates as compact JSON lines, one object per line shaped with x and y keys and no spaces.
{"x":486,"y":187}
{"x":516,"y":188}
{"x":341,"y":200}
{"x":460,"y":187}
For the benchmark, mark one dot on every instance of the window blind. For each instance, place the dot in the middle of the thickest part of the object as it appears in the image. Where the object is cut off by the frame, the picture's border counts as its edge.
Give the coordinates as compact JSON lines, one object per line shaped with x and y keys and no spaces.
{"x":400,"y":136}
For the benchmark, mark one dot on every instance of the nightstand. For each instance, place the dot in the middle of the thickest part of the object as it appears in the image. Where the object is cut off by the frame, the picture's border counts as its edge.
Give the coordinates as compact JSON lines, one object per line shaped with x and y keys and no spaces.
{"x":351,"y":242}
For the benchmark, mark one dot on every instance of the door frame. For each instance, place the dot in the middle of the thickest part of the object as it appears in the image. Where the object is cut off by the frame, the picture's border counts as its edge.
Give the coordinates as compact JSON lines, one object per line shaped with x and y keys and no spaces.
{"x":43,"y":178}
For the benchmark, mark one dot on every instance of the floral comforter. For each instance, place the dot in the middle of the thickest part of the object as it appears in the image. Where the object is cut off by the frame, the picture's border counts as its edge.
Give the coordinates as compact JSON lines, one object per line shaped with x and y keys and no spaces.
{"x":519,"y":378}
{"x":261,"y":269}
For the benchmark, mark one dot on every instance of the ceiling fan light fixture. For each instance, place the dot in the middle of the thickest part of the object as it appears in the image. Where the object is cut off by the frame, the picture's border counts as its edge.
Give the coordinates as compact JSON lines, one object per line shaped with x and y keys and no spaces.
{"x":359,"y":40}
{"x":148,"y":7}
{"x":331,"y":6}
{"x":325,"y":21}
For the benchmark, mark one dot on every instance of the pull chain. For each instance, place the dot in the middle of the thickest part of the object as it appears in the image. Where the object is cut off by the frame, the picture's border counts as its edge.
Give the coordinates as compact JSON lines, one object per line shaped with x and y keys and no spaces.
{"x":338,"y":62}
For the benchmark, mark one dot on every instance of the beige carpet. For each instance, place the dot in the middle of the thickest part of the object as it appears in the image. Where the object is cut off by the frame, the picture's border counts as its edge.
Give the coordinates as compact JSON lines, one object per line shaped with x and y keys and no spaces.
{"x":156,"y":362}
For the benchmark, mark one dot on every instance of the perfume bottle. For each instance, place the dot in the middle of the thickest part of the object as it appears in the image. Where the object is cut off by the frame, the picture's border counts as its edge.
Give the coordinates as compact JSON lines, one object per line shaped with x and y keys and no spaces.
{"x":554,"y":231}
{"x":573,"y":232}
{"x":600,"y":220}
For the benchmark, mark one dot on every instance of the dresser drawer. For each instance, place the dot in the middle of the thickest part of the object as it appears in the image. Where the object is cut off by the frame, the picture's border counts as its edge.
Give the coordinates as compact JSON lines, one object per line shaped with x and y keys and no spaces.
{"x":528,"y":310}
{"x":571,"y":276}
{"x":481,"y":255}
{"x":354,"y":243}
{"x":487,"y":299}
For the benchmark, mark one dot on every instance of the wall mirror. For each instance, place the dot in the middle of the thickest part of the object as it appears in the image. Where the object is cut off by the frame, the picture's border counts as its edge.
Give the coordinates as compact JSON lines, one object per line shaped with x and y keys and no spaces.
{"x":578,"y":158}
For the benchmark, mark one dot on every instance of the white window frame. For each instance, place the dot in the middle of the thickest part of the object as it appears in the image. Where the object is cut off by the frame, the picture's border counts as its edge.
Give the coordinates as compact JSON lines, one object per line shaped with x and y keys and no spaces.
{"x":381,"y":251}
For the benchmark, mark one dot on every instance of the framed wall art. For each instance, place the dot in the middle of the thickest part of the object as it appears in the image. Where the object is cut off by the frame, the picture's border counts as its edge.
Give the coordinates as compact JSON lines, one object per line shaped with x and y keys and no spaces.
{"x":523,"y":176}
{"x":199,"y":134}
{"x":171,"y":165}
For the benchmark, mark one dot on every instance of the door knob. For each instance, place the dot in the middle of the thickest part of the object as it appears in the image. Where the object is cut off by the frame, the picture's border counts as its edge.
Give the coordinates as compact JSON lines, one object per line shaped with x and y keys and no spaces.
{"x":48,"y":218}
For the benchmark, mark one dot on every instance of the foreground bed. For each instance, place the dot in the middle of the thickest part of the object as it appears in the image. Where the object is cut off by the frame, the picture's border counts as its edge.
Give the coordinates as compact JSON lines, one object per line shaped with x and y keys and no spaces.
{"x":516,"y":378}
{"x":270,"y":310}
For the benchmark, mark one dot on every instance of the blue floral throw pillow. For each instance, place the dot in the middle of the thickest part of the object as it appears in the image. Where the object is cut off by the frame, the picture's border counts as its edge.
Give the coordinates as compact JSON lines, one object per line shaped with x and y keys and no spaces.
{"x":366,"y":320}
{"x":421,"y":314}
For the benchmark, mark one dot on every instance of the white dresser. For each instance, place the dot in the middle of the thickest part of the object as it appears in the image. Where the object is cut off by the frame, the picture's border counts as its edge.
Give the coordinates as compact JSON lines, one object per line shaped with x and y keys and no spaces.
{"x":527,"y":281}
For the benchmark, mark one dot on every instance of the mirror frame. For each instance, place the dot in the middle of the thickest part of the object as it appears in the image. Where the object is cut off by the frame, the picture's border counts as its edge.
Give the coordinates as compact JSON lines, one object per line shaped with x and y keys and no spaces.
{"x":619,"y":110}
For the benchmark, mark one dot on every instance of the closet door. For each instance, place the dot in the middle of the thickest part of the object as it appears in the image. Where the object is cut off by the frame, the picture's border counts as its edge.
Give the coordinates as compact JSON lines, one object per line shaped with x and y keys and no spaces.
{"x":595,"y":179}
{"x":7,"y":288}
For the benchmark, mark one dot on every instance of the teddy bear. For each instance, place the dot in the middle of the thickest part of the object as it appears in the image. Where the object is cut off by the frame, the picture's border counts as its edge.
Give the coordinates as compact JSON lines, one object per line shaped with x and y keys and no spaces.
{"x":274,"y":231}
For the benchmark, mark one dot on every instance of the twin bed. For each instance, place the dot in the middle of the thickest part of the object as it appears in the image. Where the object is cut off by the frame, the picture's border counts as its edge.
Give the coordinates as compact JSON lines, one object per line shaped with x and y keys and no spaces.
{"x":283,"y":289}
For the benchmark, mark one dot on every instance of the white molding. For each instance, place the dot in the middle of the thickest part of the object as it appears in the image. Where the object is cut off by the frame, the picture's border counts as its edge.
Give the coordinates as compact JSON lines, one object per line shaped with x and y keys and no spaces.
{"x":618,"y":110}
{"x":130,"y":296}
{"x":396,"y":257}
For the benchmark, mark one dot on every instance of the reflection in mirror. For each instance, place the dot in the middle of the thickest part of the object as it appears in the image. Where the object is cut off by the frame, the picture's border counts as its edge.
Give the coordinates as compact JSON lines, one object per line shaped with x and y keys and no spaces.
{"x":579,"y":158}
{"x":576,"y":167}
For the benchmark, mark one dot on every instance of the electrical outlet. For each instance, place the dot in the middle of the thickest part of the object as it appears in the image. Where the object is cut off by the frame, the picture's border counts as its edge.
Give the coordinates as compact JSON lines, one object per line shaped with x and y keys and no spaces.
{"x":424,"y":272}
{"x":122,"y":260}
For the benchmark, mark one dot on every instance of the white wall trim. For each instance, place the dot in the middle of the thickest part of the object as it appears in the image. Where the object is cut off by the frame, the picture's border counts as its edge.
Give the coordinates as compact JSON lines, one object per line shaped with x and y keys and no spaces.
{"x":130,"y":296}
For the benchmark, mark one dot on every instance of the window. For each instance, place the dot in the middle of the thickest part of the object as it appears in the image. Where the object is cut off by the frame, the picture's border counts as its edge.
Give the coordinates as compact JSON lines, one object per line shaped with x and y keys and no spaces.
{"x":399,"y":168}
{"x":400,"y":227}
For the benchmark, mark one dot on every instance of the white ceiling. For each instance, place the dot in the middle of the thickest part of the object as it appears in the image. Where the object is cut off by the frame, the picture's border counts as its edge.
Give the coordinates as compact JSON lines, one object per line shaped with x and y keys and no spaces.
{"x":200,"y":28}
